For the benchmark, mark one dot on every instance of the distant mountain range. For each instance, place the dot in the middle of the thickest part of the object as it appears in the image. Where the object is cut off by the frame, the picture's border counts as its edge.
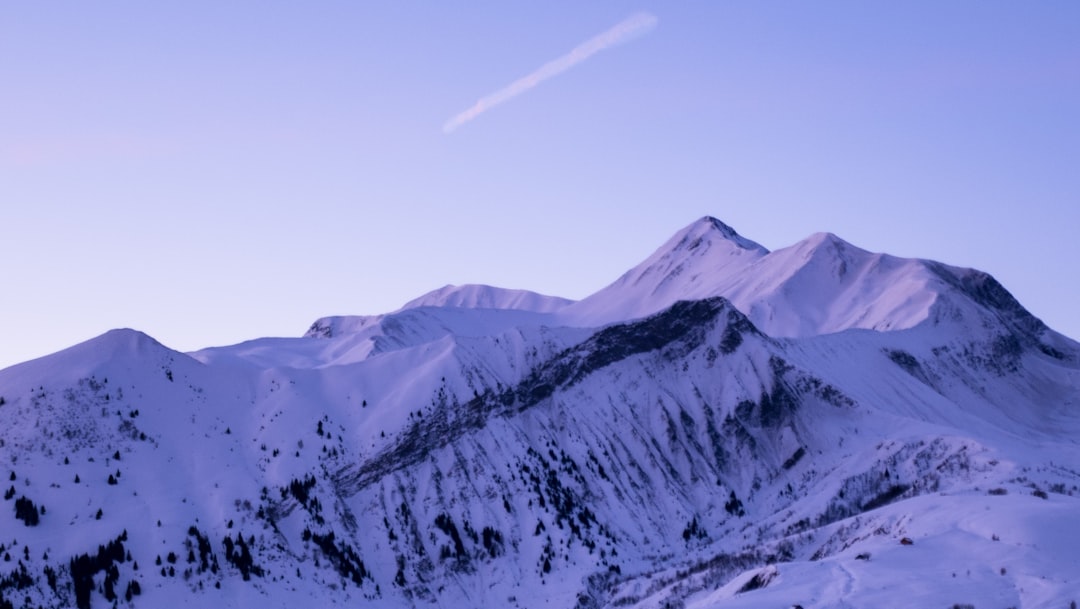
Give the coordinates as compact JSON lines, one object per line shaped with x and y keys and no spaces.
{"x":722,"y":426}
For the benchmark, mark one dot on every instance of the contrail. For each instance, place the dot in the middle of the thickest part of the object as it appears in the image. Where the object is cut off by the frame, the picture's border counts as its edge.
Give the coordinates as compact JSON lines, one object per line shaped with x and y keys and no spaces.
{"x":636,"y":24}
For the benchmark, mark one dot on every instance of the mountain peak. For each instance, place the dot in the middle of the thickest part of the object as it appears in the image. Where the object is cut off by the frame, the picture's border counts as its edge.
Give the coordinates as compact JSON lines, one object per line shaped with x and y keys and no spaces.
{"x":116,"y":343}
{"x":118,"y":347}
{"x":708,"y":226}
{"x":687,"y":267}
{"x":827,"y":240}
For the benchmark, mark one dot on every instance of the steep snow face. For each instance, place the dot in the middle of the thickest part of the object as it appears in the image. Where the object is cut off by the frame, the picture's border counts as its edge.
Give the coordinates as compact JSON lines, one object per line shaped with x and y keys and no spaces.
{"x":687,"y":267}
{"x":824,"y":284}
{"x":474,"y":296}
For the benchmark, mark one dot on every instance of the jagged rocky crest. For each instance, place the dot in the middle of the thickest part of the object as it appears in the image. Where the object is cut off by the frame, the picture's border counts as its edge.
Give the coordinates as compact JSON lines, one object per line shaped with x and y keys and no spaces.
{"x":719,"y":425}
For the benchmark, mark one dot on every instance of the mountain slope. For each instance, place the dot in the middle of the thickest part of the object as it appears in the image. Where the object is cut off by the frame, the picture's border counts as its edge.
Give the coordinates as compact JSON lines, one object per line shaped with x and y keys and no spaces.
{"x":768,"y":436}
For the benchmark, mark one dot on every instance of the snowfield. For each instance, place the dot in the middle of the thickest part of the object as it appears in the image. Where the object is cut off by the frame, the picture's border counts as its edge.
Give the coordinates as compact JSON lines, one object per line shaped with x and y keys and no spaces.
{"x":722,"y":426}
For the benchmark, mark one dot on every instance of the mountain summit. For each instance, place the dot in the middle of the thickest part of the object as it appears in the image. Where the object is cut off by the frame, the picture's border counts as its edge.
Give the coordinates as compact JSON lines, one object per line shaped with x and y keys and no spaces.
{"x":689,"y":266}
{"x":722,"y":426}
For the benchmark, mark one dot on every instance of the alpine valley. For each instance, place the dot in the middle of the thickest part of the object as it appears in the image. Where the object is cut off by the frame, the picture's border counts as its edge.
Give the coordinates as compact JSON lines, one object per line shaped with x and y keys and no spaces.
{"x":722,"y":426}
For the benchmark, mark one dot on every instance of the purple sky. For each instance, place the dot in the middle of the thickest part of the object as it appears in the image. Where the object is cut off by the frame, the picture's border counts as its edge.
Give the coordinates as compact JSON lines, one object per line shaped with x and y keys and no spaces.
{"x":211,"y":172}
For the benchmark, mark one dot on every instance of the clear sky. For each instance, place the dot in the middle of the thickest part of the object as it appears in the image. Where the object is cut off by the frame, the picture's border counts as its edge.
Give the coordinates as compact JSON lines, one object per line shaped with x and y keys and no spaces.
{"x":210,"y":172}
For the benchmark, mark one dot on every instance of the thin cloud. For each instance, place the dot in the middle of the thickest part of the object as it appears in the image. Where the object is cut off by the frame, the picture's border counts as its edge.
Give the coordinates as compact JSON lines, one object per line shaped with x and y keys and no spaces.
{"x":628,"y":28}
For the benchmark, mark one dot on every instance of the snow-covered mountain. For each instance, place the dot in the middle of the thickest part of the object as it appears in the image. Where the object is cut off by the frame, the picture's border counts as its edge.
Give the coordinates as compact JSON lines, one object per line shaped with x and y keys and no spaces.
{"x":722,"y":426}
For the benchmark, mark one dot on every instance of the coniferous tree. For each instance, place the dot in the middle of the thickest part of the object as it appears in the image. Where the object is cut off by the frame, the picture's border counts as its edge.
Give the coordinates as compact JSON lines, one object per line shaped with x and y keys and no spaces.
{"x":26,"y":511}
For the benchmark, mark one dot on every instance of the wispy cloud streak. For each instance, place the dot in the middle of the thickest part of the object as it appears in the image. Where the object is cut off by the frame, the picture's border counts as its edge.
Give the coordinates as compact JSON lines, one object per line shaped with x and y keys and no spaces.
{"x":628,"y":28}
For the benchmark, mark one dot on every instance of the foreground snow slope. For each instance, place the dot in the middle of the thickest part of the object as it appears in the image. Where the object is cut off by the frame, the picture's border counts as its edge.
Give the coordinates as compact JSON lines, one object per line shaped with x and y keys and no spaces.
{"x":722,"y":426}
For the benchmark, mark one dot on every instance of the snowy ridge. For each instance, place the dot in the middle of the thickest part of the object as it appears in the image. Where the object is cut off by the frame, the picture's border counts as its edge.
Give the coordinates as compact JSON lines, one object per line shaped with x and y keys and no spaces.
{"x":723,"y":426}
{"x":486,"y":297}
{"x":820,"y":285}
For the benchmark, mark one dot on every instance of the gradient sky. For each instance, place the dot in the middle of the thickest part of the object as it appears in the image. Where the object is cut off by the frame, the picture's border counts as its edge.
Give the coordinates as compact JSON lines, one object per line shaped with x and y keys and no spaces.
{"x":210,"y":172}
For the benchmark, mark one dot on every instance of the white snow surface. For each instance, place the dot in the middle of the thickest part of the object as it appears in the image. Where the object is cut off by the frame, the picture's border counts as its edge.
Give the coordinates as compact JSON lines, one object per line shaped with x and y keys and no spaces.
{"x":817,"y":286}
{"x":722,"y":426}
{"x":475,"y":296}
